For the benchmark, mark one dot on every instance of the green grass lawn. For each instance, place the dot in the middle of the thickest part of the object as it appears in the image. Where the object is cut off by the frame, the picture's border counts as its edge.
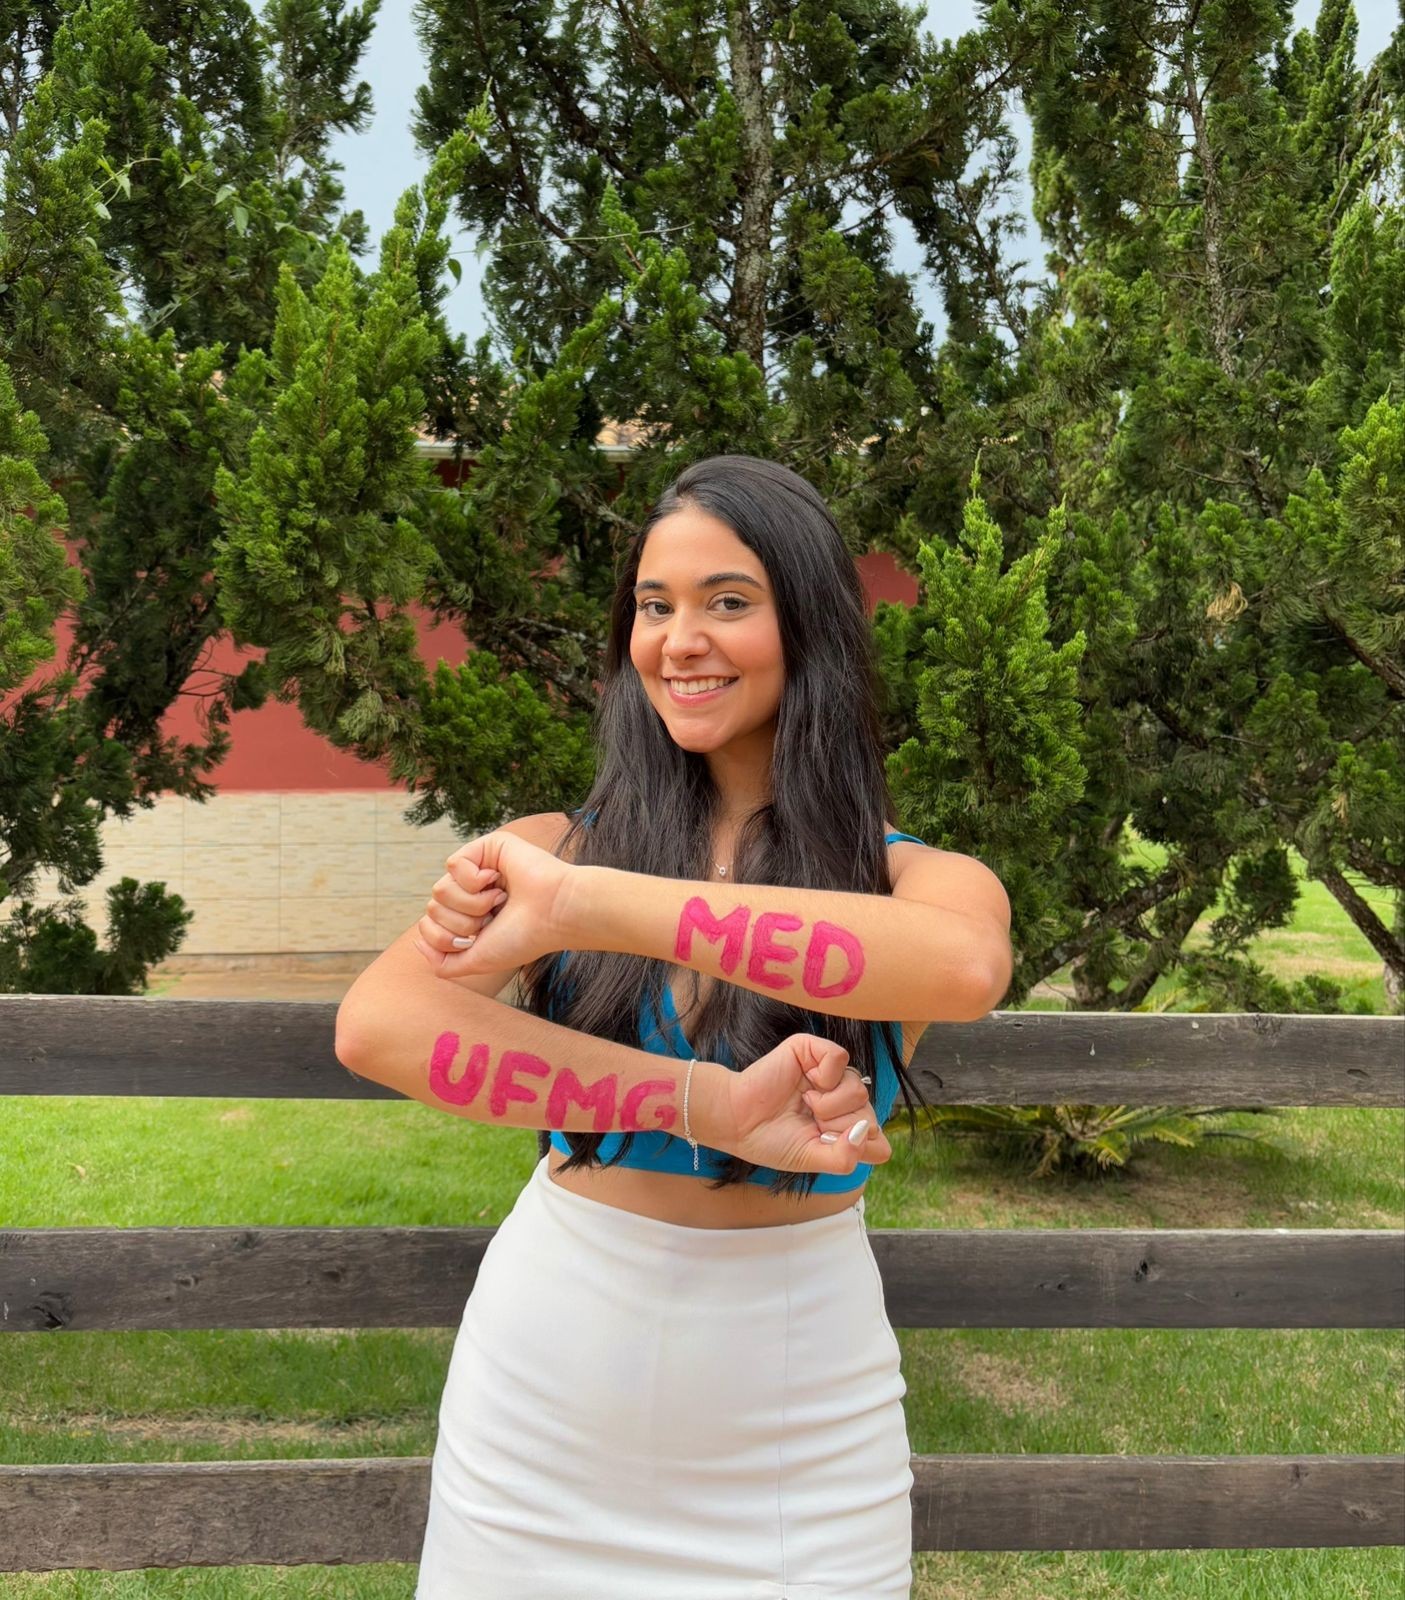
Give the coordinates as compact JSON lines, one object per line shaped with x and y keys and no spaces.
{"x":256,"y":1395}
{"x":1320,"y":939}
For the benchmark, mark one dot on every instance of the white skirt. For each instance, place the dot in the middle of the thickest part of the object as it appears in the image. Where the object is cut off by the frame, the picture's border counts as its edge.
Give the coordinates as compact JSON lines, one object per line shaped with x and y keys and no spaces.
{"x":637,"y":1410}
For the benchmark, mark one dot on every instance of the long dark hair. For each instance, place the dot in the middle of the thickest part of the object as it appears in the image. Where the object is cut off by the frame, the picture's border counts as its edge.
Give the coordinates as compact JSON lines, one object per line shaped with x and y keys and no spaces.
{"x":653,"y":804}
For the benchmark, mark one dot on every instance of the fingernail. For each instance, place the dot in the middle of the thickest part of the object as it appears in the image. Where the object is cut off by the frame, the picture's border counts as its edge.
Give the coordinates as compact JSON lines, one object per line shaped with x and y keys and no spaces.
{"x":857,"y":1132}
{"x":463,"y":944}
{"x":829,"y":1138}
{"x":809,"y":1098}
{"x":500,"y":897}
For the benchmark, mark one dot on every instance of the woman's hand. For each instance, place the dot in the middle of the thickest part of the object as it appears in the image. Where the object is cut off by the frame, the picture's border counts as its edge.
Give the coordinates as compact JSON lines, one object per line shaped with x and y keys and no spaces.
{"x":504,"y":895}
{"x":781,"y":1105}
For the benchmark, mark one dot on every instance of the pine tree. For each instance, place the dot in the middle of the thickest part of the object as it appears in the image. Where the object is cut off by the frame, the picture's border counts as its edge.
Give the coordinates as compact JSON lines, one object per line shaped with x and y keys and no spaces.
{"x":164,"y":164}
{"x":1199,"y":415}
{"x":742,"y":165}
{"x":660,"y":199}
{"x":47,"y":815}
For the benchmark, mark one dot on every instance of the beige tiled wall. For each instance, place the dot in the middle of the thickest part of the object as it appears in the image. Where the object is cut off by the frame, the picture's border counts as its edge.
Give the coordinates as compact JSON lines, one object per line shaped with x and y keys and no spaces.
{"x":270,"y":874}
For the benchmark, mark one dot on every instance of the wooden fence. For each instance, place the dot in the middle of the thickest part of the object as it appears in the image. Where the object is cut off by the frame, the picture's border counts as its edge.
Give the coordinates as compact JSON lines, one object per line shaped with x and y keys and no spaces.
{"x":124,"y":1516}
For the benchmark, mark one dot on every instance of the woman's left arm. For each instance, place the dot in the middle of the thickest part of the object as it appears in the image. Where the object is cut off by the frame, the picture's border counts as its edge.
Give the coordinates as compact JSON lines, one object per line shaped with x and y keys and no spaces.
{"x":937,"y":950}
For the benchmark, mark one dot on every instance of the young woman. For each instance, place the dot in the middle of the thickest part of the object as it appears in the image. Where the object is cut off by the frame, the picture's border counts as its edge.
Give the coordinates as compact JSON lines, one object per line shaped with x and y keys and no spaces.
{"x":675,"y":1378}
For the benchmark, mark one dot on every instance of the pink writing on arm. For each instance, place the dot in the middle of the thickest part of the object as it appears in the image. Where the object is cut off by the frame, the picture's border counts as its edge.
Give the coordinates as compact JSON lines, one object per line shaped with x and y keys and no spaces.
{"x":696,"y":916}
{"x":568,"y":1088}
{"x":664,"y":1116}
{"x":826,"y":934}
{"x":453,"y":1093}
{"x":732,"y":928}
{"x":505,"y":1090}
{"x":764,"y":948}
{"x":565,"y":1090}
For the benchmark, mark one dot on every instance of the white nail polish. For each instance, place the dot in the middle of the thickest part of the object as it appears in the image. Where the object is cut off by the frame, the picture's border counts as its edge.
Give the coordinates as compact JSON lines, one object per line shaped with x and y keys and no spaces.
{"x":857,"y":1132}
{"x":463,"y":944}
{"x":829,"y":1138}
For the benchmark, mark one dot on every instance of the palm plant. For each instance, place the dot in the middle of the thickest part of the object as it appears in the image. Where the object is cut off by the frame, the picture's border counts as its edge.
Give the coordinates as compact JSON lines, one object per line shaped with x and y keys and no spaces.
{"x":1089,"y":1140}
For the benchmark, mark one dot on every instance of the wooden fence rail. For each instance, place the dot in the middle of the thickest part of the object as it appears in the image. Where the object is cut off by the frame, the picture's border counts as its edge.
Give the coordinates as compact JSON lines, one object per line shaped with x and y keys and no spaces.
{"x":79,"y":1279}
{"x":127,"y":1515}
{"x":282,"y":1049}
{"x":288,"y":1513}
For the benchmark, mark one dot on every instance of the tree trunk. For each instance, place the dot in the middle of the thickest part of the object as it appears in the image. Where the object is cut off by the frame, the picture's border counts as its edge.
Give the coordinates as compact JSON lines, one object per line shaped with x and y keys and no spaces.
{"x":1390,"y":947}
{"x":752,"y":268}
{"x":1167,"y":947}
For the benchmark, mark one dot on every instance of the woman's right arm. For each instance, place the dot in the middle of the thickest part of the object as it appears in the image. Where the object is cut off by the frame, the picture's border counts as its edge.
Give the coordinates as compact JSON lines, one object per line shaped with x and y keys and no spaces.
{"x":471,"y":1056}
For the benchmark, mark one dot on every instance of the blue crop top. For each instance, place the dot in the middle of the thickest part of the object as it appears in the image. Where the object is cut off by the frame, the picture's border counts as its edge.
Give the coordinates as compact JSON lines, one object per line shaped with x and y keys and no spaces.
{"x":656,"y":1151}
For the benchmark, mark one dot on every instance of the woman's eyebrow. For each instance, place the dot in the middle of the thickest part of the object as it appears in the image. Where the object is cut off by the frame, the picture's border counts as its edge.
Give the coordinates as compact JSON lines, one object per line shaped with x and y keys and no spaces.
{"x":703,"y":583}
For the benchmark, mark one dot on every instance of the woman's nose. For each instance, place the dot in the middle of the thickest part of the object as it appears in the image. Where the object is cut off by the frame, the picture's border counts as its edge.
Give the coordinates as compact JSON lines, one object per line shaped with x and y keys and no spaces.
{"x":686,"y":638}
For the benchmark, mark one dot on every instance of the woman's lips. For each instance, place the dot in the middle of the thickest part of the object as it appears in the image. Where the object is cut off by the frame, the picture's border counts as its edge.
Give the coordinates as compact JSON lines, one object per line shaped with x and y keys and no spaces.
{"x":697,"y":699}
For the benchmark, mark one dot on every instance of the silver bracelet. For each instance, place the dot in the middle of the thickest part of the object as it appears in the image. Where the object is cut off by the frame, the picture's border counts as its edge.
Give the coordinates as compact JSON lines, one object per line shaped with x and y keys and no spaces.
{"x":687,"y":1127}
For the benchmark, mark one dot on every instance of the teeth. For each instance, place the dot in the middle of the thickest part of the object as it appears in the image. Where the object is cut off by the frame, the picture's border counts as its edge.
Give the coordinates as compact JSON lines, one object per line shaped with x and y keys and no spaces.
{"x":701,"y":686}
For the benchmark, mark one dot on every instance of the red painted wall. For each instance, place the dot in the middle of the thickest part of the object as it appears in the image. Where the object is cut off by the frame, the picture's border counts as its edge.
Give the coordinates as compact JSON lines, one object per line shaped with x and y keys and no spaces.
{"x":271,"y":748}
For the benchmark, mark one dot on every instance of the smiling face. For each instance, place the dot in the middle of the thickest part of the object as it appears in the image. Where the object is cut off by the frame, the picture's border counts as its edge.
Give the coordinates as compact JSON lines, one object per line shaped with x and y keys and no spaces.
{"x":704,"y":610}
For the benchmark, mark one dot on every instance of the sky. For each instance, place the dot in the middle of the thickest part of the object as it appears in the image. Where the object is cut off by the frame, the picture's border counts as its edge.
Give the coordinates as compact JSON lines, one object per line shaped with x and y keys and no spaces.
{"x":382,"y":161}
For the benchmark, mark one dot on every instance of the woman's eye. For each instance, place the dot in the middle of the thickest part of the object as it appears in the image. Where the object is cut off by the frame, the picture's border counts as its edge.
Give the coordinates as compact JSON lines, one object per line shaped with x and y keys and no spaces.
{"x":732,"y":602}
